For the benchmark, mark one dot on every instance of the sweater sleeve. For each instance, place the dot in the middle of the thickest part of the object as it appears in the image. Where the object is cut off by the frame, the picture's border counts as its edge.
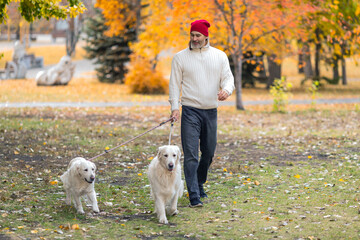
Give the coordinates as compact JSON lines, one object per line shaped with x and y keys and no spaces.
{"x":175,"y":84}
{"x":227,"y":78}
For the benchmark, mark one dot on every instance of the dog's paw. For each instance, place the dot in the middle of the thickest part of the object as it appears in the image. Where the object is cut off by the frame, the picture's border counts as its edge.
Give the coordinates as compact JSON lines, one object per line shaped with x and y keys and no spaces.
{"x":174,"y":213}
{"x":96,"y":210}
{"x":68,"y":200}
{"x":80,"y":211}
{"x":163,"y":221}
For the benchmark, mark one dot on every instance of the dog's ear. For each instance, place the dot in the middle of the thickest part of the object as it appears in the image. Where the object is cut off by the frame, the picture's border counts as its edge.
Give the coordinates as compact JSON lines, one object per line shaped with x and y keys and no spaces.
{"x":75,"y":169}
{"x":93,"y":165}
{"x":160,"y":151}
{"x":178,"y":153}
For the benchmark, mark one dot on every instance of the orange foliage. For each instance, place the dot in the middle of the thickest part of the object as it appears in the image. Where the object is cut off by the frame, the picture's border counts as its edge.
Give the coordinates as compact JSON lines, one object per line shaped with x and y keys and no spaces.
{"x":141,"y":78}
{"x":119,"y":15}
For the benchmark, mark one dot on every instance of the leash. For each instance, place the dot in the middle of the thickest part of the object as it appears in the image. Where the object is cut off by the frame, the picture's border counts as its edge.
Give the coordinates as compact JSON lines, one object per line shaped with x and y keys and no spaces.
{"x":172,"y":124}
{"x":107,"y":151}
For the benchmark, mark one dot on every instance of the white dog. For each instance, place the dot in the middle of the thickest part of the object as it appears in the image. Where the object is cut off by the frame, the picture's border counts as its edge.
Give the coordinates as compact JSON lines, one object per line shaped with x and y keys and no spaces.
{"x":164,"y":174}
{"x":79,"y":180}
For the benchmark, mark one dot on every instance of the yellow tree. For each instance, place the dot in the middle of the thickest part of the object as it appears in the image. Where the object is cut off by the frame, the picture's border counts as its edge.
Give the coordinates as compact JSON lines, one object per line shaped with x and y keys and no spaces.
{"x":154,"y":37}
{"x":241,"y":26}
{"x":32,"y":9}
{"x":236,"y":26}
{"x":120,"y":15}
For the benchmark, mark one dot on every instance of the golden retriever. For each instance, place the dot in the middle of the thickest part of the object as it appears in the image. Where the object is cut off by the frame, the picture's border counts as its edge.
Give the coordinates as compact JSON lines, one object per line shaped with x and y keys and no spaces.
{"x":166,"y":185}
{"x":79,"y":180}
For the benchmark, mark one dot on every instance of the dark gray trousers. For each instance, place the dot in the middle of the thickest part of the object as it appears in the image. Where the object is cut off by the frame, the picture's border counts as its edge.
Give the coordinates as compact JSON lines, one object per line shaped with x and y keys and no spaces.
{"x":197,"y":126}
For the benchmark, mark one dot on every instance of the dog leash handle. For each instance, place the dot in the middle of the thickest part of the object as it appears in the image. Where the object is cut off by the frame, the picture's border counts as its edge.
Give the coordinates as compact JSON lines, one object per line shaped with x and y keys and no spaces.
{"x":171,"y":127}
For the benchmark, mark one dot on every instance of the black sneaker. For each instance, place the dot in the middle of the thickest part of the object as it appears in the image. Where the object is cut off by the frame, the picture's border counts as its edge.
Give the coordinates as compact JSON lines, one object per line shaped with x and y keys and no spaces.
{"x":195,"y":202}
{"x":202,"y":192}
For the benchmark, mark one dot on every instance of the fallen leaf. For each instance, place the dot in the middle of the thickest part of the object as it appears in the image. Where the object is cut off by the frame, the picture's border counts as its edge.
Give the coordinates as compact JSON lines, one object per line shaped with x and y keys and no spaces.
{"x":297,"y":176}
{"x":54,"y":182}
{"x":75,"y":227}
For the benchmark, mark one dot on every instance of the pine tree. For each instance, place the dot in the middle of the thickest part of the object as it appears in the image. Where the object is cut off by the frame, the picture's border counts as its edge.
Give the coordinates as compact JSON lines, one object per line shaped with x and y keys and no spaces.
{"x":111,"y":53}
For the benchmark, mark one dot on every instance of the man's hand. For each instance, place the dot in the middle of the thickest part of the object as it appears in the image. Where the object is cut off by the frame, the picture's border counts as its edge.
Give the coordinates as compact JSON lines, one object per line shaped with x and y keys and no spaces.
{"x":222,"y":95}
{"x":175,"y":114}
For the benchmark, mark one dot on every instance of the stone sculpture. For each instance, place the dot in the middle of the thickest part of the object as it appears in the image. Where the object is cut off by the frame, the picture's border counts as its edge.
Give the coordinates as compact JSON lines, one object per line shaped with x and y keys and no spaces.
{"x":17,"y":67}
{"x":21,"y":62}
{"x":60,"y":74}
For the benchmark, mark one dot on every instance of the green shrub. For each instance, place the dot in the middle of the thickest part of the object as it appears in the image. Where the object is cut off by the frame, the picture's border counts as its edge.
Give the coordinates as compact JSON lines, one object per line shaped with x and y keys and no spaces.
{"x":314,"y":89}
{"x":280,"y":93}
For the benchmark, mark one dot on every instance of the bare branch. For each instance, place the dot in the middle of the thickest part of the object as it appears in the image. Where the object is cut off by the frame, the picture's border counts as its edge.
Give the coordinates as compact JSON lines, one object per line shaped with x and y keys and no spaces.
{"x":230,"y":24}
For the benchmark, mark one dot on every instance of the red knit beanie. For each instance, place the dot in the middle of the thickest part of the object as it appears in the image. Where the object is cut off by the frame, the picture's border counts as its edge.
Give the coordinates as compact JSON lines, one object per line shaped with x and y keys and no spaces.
{"x":200,"y":26}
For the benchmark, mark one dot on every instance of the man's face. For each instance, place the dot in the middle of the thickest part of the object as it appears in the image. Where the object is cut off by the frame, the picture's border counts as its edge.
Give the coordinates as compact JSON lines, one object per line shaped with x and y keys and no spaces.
{"x":197,"y":39}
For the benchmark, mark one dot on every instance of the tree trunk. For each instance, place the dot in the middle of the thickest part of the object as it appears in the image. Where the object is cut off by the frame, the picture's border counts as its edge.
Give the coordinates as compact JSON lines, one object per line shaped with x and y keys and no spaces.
{"x":238,"y":81}
{"x":301,"y":63}
{"x":72,"y":35}
{"x":300,"y":60}
{"x":317,"y":54}
{"x":262,"y":72}
{"x":307,"y":60}
{"x":343,"y":65}
{"x":274,"y":70}
{"x":8,"y":30}
{"x":336,"y":74}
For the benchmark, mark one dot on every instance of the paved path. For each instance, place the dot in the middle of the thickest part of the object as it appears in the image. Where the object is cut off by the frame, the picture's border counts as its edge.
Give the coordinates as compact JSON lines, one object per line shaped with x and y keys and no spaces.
{"x":161,"y":103}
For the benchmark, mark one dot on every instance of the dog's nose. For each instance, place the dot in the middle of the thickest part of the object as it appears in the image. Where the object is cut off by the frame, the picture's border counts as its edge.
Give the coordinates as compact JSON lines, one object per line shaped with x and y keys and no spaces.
{"x":92,"y":178}
{"x":171,"y":165}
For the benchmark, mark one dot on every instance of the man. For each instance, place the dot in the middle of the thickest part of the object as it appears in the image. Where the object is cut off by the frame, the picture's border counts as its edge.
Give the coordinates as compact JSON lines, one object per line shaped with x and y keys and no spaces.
{"x":202,"y":74}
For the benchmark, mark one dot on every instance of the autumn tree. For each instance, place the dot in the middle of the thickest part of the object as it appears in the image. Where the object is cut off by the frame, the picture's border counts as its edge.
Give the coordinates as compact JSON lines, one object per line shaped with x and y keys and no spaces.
{"x":121,"y":15}
{"x":75,"y":27}
{"x":242,"y":26}
{"x":334,"y":34}
{"x":340,"y":29}
{"x":36,"y":9}
{"x":31,"y":10}
{"x":237,"y":27}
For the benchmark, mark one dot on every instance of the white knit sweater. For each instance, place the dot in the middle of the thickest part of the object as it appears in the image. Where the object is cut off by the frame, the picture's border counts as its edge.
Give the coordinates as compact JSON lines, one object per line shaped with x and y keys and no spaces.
{"x":199,"y":74}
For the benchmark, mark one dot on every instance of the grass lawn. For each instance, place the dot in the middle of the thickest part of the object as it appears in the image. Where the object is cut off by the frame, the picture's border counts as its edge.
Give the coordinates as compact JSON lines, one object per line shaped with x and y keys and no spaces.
{"x":291,"y":175}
